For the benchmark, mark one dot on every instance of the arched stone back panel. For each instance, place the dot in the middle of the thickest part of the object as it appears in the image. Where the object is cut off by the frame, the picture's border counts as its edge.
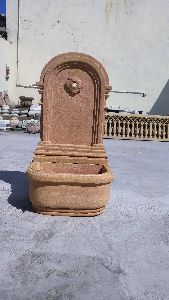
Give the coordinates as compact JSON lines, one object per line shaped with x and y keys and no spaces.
{"x":73,"y":87}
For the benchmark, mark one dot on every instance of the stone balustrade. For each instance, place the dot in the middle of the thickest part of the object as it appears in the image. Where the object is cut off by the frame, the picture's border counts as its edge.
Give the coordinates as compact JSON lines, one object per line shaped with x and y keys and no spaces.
{"x":136,"y":127}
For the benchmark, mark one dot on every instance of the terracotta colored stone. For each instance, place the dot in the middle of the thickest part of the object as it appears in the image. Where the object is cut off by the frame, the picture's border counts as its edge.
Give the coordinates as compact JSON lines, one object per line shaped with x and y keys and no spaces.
{"x":2,"y":102}
{"x":26,"y":101}
{"x":6,"y":99}
{"x":69,"y":174}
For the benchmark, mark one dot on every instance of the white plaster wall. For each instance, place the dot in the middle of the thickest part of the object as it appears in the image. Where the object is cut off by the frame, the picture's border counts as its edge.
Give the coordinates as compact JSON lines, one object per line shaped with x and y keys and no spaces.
{"x":130,"y":38}
{"x":3,"y":62}
{"x":6,"y":59}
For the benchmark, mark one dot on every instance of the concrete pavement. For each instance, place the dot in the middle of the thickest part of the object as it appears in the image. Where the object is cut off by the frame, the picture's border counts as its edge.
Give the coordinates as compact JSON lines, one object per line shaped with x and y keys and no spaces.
{"x":122,"y":254}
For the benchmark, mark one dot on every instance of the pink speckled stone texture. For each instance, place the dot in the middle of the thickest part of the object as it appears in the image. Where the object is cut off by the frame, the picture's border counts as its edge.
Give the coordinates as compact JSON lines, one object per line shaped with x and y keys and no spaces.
{"x":69,"y":174}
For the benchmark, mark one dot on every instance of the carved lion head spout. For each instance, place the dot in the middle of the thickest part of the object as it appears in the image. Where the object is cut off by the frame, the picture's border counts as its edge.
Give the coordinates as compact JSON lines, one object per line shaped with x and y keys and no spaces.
{"x":73,"y":85}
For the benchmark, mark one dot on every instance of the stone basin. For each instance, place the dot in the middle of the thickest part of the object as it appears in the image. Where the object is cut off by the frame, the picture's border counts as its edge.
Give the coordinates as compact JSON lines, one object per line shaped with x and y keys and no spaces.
{"x":73,"y":189}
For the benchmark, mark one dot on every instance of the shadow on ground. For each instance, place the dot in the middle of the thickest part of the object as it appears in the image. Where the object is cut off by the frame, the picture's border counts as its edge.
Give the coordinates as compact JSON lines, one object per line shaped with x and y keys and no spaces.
{"x":161,"y":106}
{"x":19,"y":196}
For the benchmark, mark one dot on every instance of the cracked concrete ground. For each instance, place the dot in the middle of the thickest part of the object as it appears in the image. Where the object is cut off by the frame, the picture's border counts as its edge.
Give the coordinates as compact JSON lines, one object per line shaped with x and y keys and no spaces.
{"x":122,"y":254}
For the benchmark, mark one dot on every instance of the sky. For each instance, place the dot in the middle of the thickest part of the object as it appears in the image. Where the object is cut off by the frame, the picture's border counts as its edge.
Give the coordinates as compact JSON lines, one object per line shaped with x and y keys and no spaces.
{"x":3,"y":7}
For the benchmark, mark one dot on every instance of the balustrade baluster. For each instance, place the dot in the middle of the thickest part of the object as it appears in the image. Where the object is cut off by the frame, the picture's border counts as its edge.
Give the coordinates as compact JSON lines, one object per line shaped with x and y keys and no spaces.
{"x":128,"y":129}
{"x":141,"y":129}
{"x":121,"y":127}
{"x":167,"y":131}
{"x":137,"y":131}
{"x":137,"y":127}
{"x":131,"y":128}
{"x":162,"y":131}
{"x":156,"y":130}
{"x":114,"y":127}
{"x":125,"y":127}
{"x":118,"y":128}
{"x":150,"y":130}
{"x":108,"y":127}
{"x":105,"y":126}
{"x":145,"y":130}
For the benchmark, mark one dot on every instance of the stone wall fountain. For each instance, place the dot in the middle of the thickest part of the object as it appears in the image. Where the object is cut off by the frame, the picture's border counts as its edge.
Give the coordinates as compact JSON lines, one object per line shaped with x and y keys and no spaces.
{"x":69,"y":174}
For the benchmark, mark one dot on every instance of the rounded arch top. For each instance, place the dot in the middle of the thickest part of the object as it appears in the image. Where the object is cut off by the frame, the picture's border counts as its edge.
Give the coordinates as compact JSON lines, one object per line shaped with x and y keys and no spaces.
{"x":70,"y":57}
